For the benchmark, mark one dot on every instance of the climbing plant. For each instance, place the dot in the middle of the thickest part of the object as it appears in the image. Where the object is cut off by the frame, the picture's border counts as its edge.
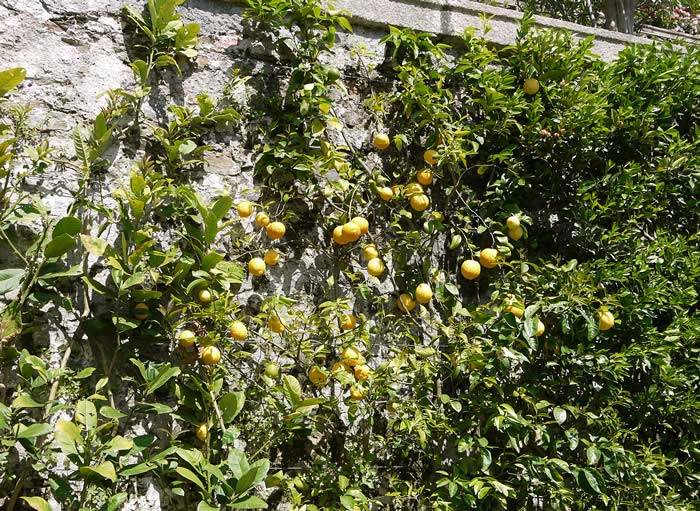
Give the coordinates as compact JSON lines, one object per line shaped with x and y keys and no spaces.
{"x":495,"y":288}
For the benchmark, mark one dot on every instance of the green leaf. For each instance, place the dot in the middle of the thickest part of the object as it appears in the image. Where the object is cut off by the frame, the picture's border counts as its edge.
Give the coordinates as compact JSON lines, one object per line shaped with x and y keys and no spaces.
{"x":10,"y":279}
{"x":592,"y":455}
{"x":105,"y":470}
{"x":190,"y":476}
{"x":231,"y":405}
{"x":67,"y":436}
{"x":251,"y":502}
{"x":292,"y":389}
{"x":59,"y":245}
{"x":86,"y":414}
{"x":111,"y":413}
{"x":116,"y":501}
{"x":35,"y":430}
{"x":11,"y":78}
{"x":222,"y":206}
{"x":256,"y":473}
{"x":67,"y":225}
{"x":25,"y":401}
{"x":164,"y":375}
{"x":94,"y":246}
{"x":210,"y":260}
{"x":37,"y":503}
{"x":204,"y":506}
{"x":588,"y":481}
{"x":347,"y":502}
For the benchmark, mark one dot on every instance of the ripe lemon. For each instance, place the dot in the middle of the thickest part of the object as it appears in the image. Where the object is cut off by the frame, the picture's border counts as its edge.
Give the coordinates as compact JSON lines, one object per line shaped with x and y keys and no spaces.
{"x":430,"y":157}
{"x":351,"y":231}
{"x":275,"y":324}
{"x":262,"y":220}
{"x":210,"y":355}
{"x":605,"y":320}
{"x":272,"y":370}
{"x":141,"y":311}
{"x":513,"y":222}
{"x":362,"y":372}
{"x":540,"y":329}
{"x":424,"y":177}
{"x":351,"y":356}
{"x":385,"y":193}
{"x":245,"y":209}
{"x":338,"y":366}
{"x":381,"y":141}
{"x":420,"y":202}
{"x":186,"y":339}
{"x":375,"y":267}
{"x":272,"y":257}
{"x":202,"y":432}
{"x":515,"y":311}
{"x":204,"y":297}
{"x":357,"y":393}
{"x":275,"y":230}
{"x":405,"y":302}
{"x":318,"y":376}
{"x":412,"y":189}
{"x":348,"y":321}
{"x":238,"y":330}
{"x":515,"y":234}
{"x":531,"y":86}
{"x":338,"y":236}
{"x":370,"y":252}
{"x":470,"y":269}
{"x":488,"y":258}
{"x":362,"y":223}
{"x":256,"y":267}
{"x":423,"y":293}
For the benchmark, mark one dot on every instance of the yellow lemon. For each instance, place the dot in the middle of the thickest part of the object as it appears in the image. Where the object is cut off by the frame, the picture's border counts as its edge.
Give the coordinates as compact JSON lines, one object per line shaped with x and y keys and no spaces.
{"x":488,"y":258}
{"x":256,"y":267}
{"x":375,"y":267}
{"x":141,"y":311}
{"x":370,"y":252}
{"x":513,"y":222}
{"x":186,"y":339}
{"x":357,"y":393}
{"x":515,"y":311}
{"x":210,"y":355}
{"x":275,"y":324}
{"x":531,"y":86}
{"x":262,"y":220}
{"x":245,"y":209}
{"x":424,"y":177}
{"x":423,"y":293}
{"x":275,"y":230}
{"x":338,"y":366}
{"x":381,"y":141}
{"x":272,"y":257}
{"x":515,"y":234}
{"x":470,"y":269}
{"x":362,"y":372}
{"x":362,"y":223}
{"x":204,"y":297}
{"x":385,"y":193}
{"x":351,"y":356}
{"x":605,"y":320}
{"x":202,"y":432}
{"x":540,"y":328}
{"x":430,"y":157}
{"x":238,"y":330}
{"x":405,"y":302}
{"x":318,"y":376}
{"x":412,"y":189}
{"x":351,"y":231}
{"x":420,"y":202}
{"x":348,"y":321}
{"x":339,"y":237}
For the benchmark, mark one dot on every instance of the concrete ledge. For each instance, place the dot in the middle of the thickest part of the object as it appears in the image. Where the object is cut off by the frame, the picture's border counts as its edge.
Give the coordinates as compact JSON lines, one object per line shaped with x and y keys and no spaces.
{"x":451,"y":17}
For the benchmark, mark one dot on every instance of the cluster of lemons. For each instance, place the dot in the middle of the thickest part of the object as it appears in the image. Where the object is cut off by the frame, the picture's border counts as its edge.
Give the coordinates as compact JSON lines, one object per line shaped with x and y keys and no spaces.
{"x":274,"y":230}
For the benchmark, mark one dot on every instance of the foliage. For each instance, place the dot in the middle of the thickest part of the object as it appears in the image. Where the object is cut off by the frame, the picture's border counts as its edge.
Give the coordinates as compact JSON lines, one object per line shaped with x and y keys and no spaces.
{"x":503,"y":391}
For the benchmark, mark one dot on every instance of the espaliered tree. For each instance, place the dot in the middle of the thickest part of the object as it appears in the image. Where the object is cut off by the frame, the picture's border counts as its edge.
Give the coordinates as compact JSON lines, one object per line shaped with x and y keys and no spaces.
{"x":495,"y":288}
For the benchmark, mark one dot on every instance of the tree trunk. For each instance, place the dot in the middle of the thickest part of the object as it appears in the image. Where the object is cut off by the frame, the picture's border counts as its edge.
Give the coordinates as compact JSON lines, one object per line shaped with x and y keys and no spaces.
{"x":619,"y":15}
